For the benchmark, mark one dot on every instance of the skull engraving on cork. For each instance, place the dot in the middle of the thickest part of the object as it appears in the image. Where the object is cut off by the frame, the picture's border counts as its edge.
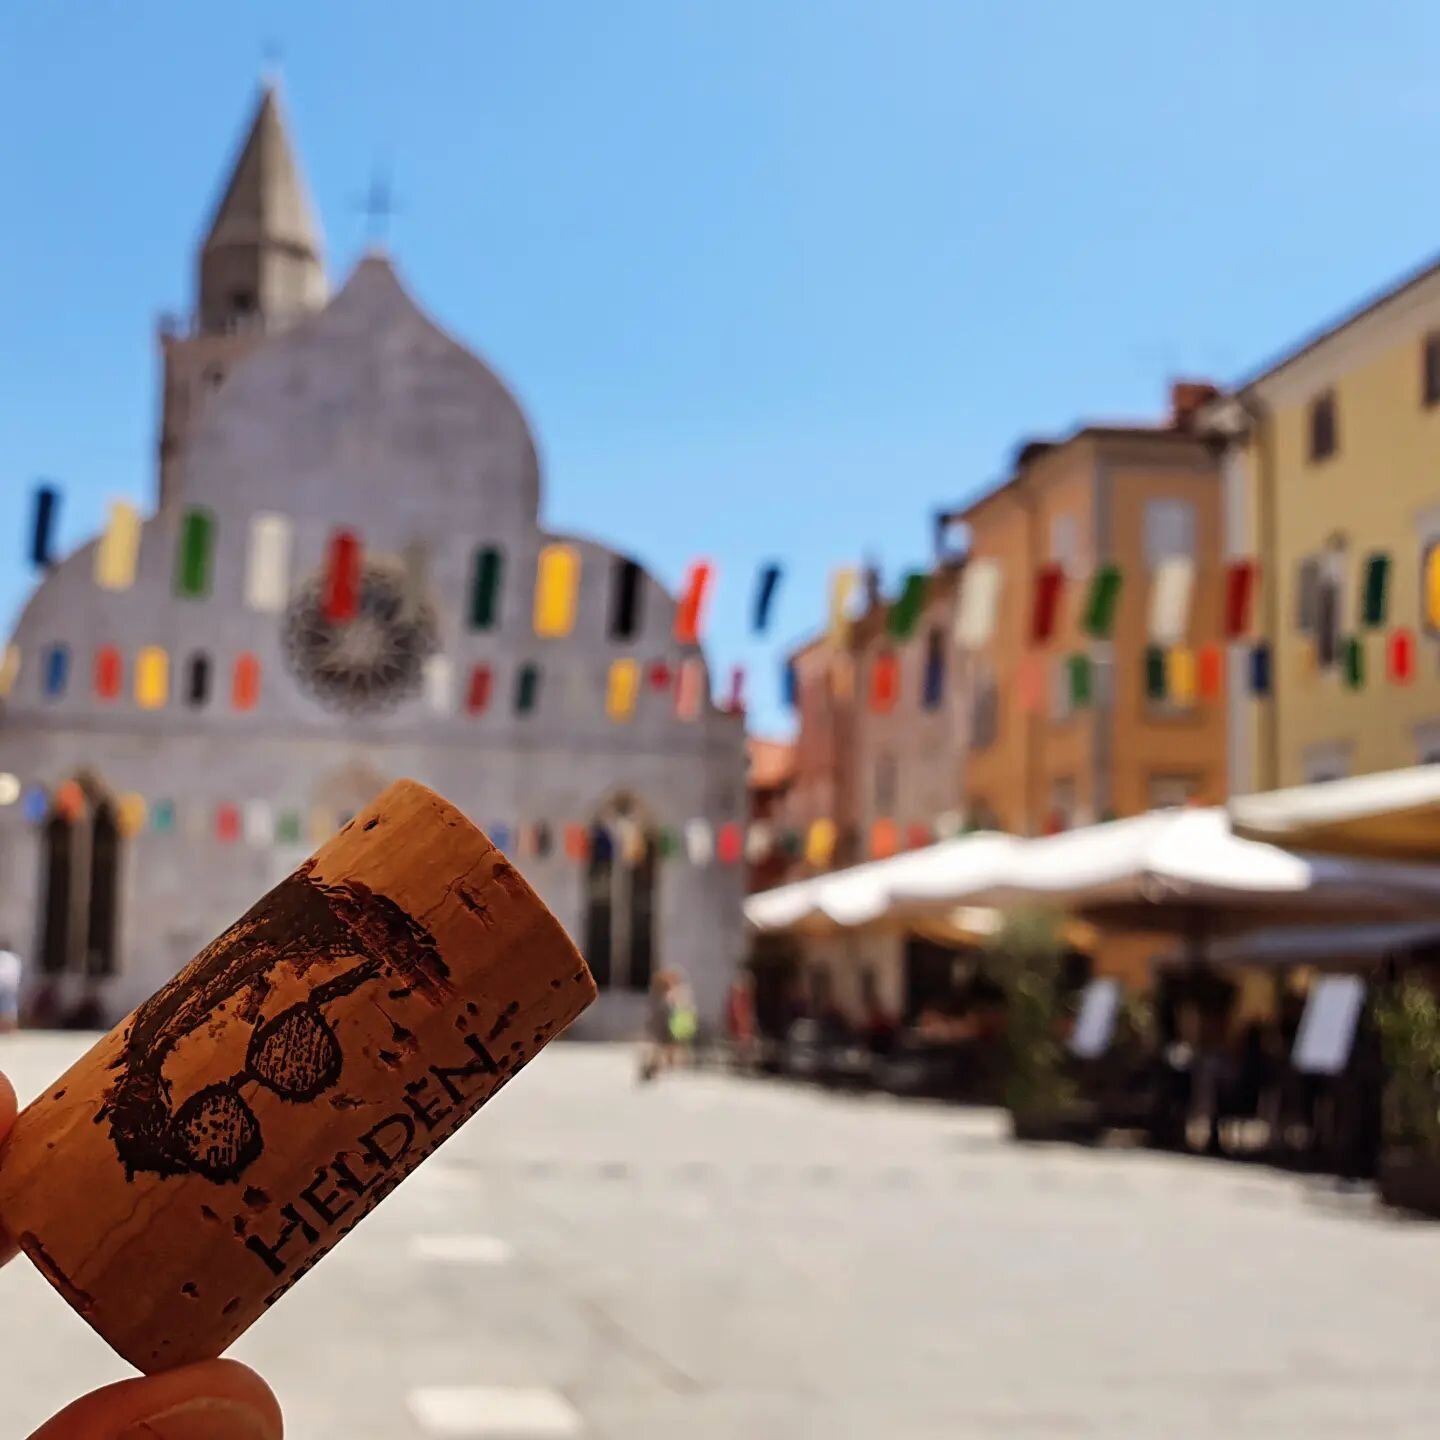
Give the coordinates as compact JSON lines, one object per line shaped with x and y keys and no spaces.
{"x":210,"y":1150}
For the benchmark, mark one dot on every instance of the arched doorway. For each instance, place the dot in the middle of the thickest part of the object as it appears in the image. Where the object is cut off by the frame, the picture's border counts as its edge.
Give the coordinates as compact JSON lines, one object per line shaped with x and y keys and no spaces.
{"x":80,"y":896}
{"x":621,"y":886}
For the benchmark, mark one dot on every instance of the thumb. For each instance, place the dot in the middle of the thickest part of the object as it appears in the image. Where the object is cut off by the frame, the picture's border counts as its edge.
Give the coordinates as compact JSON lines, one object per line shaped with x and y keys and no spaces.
{"x":214,"y":1400}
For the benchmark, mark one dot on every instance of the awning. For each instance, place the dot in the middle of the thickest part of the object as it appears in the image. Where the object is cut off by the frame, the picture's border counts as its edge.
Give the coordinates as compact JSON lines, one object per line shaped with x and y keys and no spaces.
{"x":1394,"y":815}
{"x":1326,"y":947}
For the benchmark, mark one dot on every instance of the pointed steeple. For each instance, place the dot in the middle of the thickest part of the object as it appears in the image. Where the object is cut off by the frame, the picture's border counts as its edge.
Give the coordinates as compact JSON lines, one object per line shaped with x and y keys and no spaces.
{"x":261,"y":262}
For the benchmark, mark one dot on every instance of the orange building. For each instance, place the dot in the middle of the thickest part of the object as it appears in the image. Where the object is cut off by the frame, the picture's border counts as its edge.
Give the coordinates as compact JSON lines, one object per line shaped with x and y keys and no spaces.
{"x":1039,"y":756}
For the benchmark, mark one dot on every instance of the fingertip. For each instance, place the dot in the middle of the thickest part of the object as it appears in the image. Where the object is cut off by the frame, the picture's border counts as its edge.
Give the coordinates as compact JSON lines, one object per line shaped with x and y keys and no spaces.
{"x":9,"y":1105}
{"x":215,"y":1398}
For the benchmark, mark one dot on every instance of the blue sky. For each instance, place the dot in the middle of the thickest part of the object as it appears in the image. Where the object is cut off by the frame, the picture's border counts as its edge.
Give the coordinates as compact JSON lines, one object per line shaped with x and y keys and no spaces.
{"x":773,"y":278}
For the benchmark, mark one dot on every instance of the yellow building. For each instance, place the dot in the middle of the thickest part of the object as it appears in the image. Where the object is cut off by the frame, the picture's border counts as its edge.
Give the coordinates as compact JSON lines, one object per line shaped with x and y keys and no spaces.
{"x":1334,"y":459}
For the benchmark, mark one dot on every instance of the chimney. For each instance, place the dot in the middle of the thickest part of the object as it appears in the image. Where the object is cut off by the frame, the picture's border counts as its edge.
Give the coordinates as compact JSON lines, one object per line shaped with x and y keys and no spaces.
{"x":1187,"y":397}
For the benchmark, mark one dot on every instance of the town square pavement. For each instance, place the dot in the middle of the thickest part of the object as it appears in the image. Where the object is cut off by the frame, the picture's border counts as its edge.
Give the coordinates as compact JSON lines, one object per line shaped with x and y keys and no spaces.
{"x":713,"y":1256}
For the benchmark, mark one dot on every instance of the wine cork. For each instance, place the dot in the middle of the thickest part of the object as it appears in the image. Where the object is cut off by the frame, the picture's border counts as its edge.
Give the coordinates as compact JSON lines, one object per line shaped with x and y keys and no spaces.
{"x":179,"y":1178}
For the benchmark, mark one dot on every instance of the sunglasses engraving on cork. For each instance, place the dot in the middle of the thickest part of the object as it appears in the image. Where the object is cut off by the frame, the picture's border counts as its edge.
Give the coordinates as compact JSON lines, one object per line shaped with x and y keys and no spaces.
{"x":210,"y":1150}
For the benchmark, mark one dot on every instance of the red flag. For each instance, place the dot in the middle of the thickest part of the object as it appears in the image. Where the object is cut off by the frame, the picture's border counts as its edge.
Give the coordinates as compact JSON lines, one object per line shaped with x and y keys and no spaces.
{"x":1210,"y":672}
{"x":108,"y":677}
{"x":691,"y":610}
{"x":917,"y":836}
{"x":577,"y":842}
{"x":658,"y":676}
{"x":1049,"y":581}
{"x":342,"y":577}
{"x":1400,"y":656}
{"x":884,"y":682}
{"x":1239,"y":592}
{"x":227,"y":823}
{"x":884,"y":839}
{"x":729,"y":843}
{"x":478,"y":695}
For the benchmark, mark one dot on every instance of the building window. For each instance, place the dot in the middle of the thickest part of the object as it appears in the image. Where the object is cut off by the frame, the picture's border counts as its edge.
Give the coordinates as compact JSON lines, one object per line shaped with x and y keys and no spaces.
{"x":212,"y":376}
{"x":1427,"y":743}
{"x":885,"y":783}
{"x":1324,"y":431}
{"x":1061,"y":698}
{"x":1430,"y":372}
{"x":1169,"y":531}
{"x":620,"y":899}
{"x":1065,"y":544}
{"x":1170,"y":791}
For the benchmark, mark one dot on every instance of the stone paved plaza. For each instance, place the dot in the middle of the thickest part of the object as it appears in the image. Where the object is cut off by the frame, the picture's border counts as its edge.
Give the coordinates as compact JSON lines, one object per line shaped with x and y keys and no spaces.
{"x":715,"y":1258}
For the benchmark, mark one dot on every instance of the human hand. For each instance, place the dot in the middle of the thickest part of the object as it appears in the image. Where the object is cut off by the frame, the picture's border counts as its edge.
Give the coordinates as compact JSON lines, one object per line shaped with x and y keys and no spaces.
{"x":214,"y":1400}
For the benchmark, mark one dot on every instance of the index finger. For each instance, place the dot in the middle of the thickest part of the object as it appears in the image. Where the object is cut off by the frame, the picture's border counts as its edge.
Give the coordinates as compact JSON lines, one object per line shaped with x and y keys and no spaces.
{"x":8,"y":1107}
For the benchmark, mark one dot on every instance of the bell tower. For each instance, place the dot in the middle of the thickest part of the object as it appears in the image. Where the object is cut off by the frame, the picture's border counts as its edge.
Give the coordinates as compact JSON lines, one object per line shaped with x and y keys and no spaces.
{"x":260,"y":269}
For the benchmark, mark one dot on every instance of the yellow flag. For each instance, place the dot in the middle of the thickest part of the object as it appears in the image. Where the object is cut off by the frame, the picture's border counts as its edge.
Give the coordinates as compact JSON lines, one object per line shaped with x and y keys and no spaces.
{"x":119,"y":547}
{"x":842,"y":586}
{"x":132,"y":814}
{"x":152,"y":678}
{"x":820,"y":843}
{"x":1180,"y":675}
{"x":623,"y":686}
{"x":1432,"y":589}
{"x":557,"y":580}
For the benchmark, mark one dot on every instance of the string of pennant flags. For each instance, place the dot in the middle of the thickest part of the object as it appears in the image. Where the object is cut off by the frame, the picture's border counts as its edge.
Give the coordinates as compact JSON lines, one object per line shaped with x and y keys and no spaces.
{"x":258,"y":823}
{"x":1173,"y":669}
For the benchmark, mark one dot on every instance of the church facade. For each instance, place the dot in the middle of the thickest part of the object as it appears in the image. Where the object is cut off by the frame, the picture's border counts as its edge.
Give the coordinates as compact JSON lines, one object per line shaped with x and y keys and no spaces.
{"x":345,"y":581}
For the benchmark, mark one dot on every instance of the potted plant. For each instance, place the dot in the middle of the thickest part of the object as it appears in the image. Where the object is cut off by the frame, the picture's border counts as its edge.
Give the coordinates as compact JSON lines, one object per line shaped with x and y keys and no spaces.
{"x":1407,"y":1018}
{"x":1025,"y":956}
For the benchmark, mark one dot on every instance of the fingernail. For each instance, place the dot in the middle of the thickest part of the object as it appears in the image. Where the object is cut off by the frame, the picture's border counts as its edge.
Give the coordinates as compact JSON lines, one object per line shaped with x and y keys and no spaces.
{"x":203,"y":1419}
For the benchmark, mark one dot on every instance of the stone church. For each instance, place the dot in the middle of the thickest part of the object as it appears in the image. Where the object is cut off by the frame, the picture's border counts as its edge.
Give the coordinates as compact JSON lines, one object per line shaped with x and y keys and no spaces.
{"x":338,"y":587}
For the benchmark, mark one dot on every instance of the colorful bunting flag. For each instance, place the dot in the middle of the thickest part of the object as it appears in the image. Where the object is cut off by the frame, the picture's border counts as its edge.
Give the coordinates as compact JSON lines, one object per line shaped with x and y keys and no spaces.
{"x":690,"y":689}
{"x":245,"y":682}
{"x":118,"y":548}
{"x":1171,"y":589}
{"x":1102,"y":602}
{"x":1354,"y":663}
{"x":1045,"y":609}
{"x":690,"y":613}
{"x":759,"y":843}
{"x":626,"y":589}
{"x":842,"y":586}
{"x":917,"y":836}
{"x":439,"y":680}
{"x":1029,"y":684}
{"x":1239,"y":597}
{"x":820,"y":843}
{"x":557,"y":585}
{"x":477,"y":695}
{"x":227,"y":824}
{"x":485,"y":588}
{"x":1210,"y":672}
{"x":162,"y":817}
{"x":69,"y":800}
{"x":340,"y":597}
{"x":577,"y":842}
{"x":45,"y":517}
{"x":699,"y":842}
{"x":979,"y":606}
{"x":948,"y":824}
{"x":499,"y":834}
{"x":933,"y":688}
{"x":735,"y":695}
{"x":527,"y":689}
{"x":267,"y":564}
{"x":884,"y":839}
{"x":884,"y":682}
{"x":257,"y":822}
{"x":1375,"y":602}
{"x":109,"y":673}
{"x":1260,"y":670}
{"x":1180,"y":677}
{"x":414,"y":577}
{"x":658,"y":675}
{"x":1431,"y":603}
{"x":130,"y":814}
{"x":35,"y":804}
{"x":1400,"y":656}
{"x":1081,"y":674}
{"x":196,"y":547}
{"x":622,"y":688}
{"x":197,"y":679}
{"x":905,"y":612}
{"x":729,"y":844}
{"x":765,"y":587}
{"x":1154,"y":672}
{"x":55,"y":671}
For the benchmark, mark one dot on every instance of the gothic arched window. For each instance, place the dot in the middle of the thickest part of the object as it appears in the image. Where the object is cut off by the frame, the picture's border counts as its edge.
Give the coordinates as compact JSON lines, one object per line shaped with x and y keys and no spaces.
{"x":104,"y":908}
{"x":621,"y":898}
{"x":55,"y":905}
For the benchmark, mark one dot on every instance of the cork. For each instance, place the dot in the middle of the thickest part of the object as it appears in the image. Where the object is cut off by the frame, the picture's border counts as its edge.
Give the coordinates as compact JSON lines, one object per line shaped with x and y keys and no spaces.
{"x":204,"y":1155}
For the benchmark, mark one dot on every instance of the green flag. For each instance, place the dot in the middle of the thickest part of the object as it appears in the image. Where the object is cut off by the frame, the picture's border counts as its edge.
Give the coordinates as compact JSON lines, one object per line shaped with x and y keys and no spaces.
{"x":1102,"y":601}
{"x":1081,"y":674}
{"x":1377,"y":590}
{"x":1354,"y":663}
{"x":905,"y":612}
